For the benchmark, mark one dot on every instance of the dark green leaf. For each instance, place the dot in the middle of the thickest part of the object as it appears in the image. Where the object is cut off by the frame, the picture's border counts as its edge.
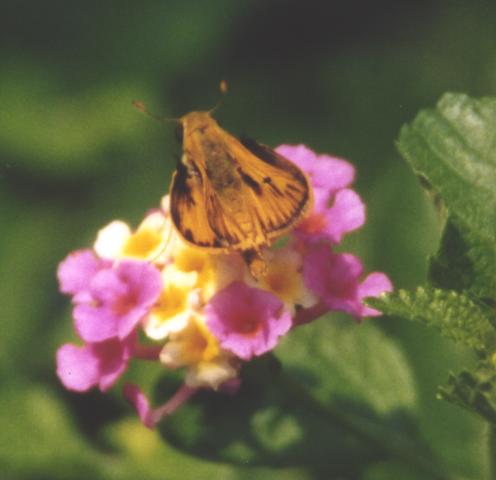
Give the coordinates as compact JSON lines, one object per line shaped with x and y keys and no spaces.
{"x":263,"y":425}
{"x":462,"y":266}
{"x":454,"y":148}
{"x":344,"y":398}
{"x":455,"y":314}
{"x":474,"y":390}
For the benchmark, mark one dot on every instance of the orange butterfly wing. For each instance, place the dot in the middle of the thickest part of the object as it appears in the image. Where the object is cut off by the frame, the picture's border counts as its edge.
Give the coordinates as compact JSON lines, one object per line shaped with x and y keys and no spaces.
{"x":234,"y":195}
{"x":188,"y":209}
{"x":273,"y":196}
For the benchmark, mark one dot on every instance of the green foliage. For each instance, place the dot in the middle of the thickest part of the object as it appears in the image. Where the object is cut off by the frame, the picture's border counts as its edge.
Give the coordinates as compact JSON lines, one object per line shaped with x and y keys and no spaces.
{"x":455,"y":314}
{"x":289,"y":414}
{"x":474,"y":389}
{"x":453,"y":149}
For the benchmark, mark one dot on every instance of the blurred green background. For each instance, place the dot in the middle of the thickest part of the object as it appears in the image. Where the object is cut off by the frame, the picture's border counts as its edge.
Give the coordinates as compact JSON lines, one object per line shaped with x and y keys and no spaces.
{"x":339,"y":76}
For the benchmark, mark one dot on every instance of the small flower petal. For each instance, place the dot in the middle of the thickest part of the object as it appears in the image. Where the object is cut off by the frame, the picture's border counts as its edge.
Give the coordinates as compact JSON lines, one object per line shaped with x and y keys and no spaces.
{"x":345,"y":215}
{"x":171,"y":311}
{"x":376,"y":284}
{"x":192,"y":345}
{"x":332,"y":217}
{"x":145,"y":285}
{"x":117,"y":241}
{"x":150,"y":238}
{"x":325,"y":171}
{"x":77,"y":367}
{"x":76,"y":271}
{"x":335,"y":278}
{"x":111,"y":239}
{"x":94,"y":323}
{"x":80,"y":368}
{"x":284,"y":278}
{"x":121,"y":297}
{"x":247,"y":321}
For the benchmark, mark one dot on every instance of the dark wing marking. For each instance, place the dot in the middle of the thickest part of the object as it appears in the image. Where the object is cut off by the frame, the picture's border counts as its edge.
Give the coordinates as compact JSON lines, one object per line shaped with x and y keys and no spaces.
{"x":261,"y":151}
{"x":283,"y":194}
{"x":188,"y":211}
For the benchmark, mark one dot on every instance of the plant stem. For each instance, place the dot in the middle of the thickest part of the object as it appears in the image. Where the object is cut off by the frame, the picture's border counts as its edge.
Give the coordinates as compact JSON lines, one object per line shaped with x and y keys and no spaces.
{"x":394,"y":446}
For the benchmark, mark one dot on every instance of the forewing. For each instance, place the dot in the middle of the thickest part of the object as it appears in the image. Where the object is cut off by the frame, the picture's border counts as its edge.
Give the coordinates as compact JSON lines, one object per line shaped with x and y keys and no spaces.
{"x":188,"y":209}
{"x":233,"y":221}
{"x":280,"y":192}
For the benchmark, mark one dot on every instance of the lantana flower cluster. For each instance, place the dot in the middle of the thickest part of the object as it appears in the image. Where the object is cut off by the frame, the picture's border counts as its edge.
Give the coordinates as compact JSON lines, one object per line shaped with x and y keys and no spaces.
{"x":147,"y":294}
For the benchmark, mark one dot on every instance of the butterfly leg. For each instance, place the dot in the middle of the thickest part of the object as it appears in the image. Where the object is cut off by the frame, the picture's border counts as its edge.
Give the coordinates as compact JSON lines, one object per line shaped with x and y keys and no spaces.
{"x":255,"y":261}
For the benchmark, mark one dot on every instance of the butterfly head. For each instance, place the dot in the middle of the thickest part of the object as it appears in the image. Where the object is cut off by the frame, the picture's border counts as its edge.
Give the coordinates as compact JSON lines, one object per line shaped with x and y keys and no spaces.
{"x":192,"y":123}
{"x":196,"y":121}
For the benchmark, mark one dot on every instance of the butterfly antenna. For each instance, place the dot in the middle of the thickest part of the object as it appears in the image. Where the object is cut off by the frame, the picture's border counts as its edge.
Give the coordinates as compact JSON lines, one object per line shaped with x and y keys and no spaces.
{"x":223,"y":88}
{"x":141,"y":107}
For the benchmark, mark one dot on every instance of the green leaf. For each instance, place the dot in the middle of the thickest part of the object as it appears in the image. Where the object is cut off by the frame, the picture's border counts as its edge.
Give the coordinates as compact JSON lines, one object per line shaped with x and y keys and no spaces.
{"x":345,"y":398}
{"x":474,"y":390}
{"x":451,"y":268}
{"x":454,"y":314}
{"x":454,"y":148}
{"x":263,"y":425}
{"x":363,"y":376}
{"x":346,"y":360}
{"x":459,"y":265}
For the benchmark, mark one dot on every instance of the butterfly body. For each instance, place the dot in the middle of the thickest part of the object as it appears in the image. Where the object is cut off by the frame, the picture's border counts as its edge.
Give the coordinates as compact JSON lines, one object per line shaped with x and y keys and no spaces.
{"x":229,"y":194}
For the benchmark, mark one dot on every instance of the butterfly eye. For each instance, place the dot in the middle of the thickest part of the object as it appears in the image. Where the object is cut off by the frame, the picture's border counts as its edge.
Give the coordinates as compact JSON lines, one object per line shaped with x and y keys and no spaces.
{"x":179,"y":133}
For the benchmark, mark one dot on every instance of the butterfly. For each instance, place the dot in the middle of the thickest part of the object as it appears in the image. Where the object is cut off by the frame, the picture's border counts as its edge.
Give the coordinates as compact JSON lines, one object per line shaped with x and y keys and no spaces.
{"x":234,"y":195}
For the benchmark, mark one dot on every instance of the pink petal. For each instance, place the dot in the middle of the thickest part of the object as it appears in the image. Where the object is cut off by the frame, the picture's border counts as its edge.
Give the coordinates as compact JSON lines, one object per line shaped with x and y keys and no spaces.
{"x":80,"y":368}
{"x":332,"y":222}
{"x":329,"y":274}
{"x":325,"y":171}
{"x":106,"y":286}
{"x":145,"y":284}
{"x":333,"y":277}
{"x":299,"y":155}
{"x":95,"y":323}
{"x":122,"y":296}
{"x":247,"y":321}
{"x":77,"y":367}
{"x":143,"y":278}
{"x":374,"y":285}
{"x":76,"y":271}
{"x":332,"y":173}
{"x":346,"y":214}
{"x":113,"y":358}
